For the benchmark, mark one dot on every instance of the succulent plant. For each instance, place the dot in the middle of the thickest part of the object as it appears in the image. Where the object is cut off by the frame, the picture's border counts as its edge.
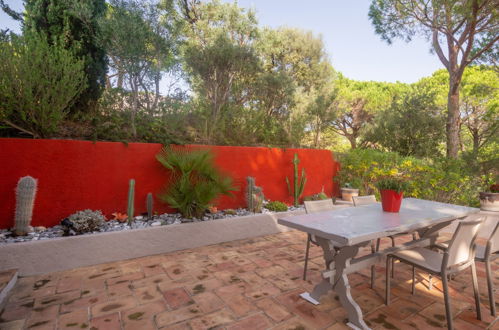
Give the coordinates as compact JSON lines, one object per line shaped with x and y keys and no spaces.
{"x":254,"y":196}
{"x":149,"y":204}
{"x":86,"y":221}
{"x":25,"y":200}
{"x":276,"y":206}
{"x":131,"y":196}
{"x":298,"y":183}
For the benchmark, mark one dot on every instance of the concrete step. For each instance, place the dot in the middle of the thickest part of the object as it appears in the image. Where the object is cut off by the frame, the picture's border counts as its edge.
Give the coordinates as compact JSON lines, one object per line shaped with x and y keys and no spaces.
{"x":8,"y":279}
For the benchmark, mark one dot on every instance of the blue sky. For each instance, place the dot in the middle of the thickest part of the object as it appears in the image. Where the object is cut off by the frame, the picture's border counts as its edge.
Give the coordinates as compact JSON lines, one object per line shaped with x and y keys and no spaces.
{"x":354,"y":48}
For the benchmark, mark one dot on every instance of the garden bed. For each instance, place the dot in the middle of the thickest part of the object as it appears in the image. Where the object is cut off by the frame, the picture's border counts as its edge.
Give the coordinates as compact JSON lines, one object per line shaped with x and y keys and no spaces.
{"x":140,"y":222}
{"x":61,"y":253}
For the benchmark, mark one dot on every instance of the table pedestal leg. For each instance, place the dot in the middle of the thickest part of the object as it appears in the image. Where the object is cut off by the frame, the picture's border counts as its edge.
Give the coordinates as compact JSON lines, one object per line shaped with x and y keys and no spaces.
{"x":339,"y":261}
{"x":342,"y":287}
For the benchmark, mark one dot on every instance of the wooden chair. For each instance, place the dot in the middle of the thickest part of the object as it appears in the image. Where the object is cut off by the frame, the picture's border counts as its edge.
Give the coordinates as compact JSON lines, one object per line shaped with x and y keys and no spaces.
{"x":485,"y":254}
{"x":459,"y":256}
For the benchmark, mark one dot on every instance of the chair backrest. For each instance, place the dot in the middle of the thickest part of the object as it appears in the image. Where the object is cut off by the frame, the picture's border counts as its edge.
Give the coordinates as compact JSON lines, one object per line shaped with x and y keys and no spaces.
{"x":493,"y":242}
{"x":363,"y":200}
{"x":319,"y":206}
{"x":462,"y":242}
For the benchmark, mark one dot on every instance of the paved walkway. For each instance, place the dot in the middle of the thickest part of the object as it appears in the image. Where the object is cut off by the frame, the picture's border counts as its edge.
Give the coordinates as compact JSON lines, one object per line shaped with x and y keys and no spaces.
{"x":247,"y":284}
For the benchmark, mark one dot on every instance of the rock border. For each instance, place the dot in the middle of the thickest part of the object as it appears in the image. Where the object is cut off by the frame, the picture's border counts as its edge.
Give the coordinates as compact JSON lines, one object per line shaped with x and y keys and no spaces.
{"x":40,"y":257}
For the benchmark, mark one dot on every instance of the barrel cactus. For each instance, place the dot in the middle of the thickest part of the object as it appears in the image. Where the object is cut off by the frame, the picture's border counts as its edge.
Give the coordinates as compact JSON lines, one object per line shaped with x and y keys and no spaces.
{"x":25,"y":200}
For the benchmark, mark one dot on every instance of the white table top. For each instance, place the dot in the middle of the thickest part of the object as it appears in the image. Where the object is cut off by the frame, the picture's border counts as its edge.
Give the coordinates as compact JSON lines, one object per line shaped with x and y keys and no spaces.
{"x":348,"y":226}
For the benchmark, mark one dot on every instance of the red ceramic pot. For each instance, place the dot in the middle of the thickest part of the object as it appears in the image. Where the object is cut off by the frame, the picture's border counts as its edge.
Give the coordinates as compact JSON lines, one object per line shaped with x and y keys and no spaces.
{"x":391,"y":200}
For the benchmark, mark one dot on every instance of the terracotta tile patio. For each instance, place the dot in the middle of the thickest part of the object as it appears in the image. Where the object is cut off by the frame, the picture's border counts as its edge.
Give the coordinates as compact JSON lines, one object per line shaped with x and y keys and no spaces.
{"x":247,"y":284}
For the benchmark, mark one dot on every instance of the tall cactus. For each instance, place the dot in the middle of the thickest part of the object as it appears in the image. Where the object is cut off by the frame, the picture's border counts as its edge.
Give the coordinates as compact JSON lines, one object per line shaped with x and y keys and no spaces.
{"x":131,"y":195}
{"x":254,"y":196}
{"x":25,"y":200}
{"x":149,"y":204}
{"x":298,"y":183}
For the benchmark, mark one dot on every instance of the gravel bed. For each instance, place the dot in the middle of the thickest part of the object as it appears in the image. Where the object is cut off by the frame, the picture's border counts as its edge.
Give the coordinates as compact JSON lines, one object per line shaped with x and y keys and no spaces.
{"x":42,"y":233}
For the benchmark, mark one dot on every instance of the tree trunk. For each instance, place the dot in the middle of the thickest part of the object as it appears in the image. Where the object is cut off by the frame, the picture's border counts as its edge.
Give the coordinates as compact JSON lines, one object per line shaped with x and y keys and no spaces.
{"x":317,"y":138}
{"x":476,"y":143}
{"x":353,"y":141}
{"x":452,"y":125}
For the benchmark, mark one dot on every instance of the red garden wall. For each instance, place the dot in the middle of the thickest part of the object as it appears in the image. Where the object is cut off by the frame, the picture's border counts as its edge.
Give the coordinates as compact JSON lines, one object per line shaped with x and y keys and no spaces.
{"x":76,"y":175}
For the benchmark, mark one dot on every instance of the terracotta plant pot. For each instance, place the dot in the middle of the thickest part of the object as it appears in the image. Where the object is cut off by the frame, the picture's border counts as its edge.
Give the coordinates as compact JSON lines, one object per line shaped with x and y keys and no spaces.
{"x":391,"y":200}
{"x":348,"y":193}
{"x":489,"y":201}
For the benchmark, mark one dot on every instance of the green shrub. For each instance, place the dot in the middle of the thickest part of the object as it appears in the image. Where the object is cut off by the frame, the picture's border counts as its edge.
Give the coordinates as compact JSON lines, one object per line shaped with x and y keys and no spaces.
{"x":194,"y":180}
{"x":444,"y":180}
{"x":38,"y":84}
{"x":276,"y":206}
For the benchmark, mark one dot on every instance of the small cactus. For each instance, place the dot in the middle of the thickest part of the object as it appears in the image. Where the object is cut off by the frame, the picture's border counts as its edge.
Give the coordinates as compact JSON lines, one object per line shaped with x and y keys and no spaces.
{"x":254,"y":196}
{"x":298,"y":183}
{"x":131,"y":195}
{"x":149,"y":204}
{"x":25,"y":200}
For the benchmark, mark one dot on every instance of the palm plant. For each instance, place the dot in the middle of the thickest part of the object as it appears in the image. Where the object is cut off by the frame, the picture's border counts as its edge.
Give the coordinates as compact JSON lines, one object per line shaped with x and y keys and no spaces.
{"x":195,"y":181}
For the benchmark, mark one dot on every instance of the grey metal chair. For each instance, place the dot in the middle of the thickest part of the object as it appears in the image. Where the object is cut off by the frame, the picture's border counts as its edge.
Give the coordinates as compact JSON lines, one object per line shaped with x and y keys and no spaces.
{"x":314,"y":207}
{"x":371,"y":199}
{"x":367,"y":200}
{"x":363,"y":200}
{"x":485,"y":254}
{"x":459,"y":256}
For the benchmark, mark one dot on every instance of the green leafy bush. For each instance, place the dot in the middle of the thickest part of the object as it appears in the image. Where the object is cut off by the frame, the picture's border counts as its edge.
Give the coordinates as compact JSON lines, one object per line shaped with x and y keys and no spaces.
{"x":444,"y":180}
{"x":38,"y":84}
{"x":195,"y":181}
{"x":276,"y":206}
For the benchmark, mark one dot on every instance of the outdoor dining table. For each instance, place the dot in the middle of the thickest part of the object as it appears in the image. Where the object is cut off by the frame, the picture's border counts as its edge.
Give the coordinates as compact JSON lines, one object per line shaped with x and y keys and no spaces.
{"x":342,"y":232}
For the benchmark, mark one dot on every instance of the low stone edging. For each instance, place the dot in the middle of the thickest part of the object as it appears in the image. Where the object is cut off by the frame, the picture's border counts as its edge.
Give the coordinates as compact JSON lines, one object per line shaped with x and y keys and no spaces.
{"x":39,"y":257}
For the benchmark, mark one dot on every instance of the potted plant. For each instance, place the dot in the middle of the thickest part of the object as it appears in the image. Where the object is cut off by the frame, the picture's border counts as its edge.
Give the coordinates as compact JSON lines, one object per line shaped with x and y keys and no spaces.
{"x":489,"y":200}
{"x":392,"y":192}
{"x":348,"y":191}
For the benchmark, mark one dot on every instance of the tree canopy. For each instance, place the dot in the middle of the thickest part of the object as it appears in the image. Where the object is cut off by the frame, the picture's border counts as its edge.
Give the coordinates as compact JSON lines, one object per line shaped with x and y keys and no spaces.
{"x":461,"y":32}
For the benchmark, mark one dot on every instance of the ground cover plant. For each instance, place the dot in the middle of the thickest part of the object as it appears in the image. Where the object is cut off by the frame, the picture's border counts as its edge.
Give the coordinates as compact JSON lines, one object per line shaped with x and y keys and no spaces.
{"x":276,"y":206}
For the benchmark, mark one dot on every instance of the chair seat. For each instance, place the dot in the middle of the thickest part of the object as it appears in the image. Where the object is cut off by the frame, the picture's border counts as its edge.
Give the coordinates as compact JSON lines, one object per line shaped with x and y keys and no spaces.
{"x":424,"y":258}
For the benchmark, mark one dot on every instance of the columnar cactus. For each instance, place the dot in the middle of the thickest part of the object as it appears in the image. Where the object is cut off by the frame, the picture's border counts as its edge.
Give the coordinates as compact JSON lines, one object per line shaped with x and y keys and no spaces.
{"x":149,"y":204}
{"x":131,"y":195}
{"x":298,"y":183}
{"x":25,"y":200}
{"x":254,"y":196}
